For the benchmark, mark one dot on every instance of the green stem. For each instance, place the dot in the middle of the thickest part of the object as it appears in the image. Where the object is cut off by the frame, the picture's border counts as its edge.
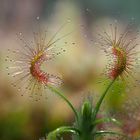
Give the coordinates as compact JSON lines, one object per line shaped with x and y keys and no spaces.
{"x":97,"y":107}
{"x":65,"y":99}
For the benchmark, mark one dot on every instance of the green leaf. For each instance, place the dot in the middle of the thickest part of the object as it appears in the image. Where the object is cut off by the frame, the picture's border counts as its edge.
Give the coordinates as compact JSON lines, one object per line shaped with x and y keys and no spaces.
{"x":99,"y":133}
{"x":60,"y":131}
{"x":107,"y":120}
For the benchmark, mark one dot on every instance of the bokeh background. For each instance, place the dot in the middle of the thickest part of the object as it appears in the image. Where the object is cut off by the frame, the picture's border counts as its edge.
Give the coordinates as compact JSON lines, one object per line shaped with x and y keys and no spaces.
{"x":21,"y":117}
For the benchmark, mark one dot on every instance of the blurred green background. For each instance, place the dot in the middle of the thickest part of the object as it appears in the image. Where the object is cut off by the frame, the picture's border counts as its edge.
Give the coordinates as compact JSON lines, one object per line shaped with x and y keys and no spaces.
{"x":22,"y":118}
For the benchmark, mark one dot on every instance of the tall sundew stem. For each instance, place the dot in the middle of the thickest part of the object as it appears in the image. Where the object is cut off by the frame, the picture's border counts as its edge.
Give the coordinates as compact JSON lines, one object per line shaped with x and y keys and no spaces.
{"x":97,"y":107}
{"x":64,"y":98}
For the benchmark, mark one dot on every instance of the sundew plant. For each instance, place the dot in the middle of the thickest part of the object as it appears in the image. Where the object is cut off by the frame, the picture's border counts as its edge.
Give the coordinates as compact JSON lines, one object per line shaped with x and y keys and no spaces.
{"x":120,"y":48}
